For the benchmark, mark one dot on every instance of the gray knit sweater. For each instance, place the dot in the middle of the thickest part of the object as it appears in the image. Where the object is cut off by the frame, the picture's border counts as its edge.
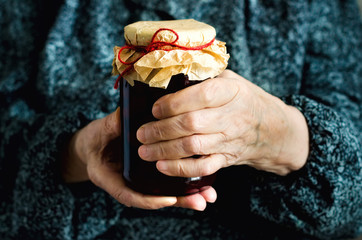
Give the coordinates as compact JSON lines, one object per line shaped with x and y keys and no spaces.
{"x":55,"y":78}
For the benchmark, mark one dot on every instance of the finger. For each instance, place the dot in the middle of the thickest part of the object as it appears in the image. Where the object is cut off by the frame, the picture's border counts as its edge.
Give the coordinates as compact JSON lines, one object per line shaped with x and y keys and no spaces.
{"x":209,"y":194}
{"x":200,"y":144}
{"x":112,"y":125}
{"x":204,"y":121}
{"x":113,"y":183}
{"x":108,"y":127}
{"x":195,"y":201}
{"x":210,"y":93}
{"x":191,"y":167}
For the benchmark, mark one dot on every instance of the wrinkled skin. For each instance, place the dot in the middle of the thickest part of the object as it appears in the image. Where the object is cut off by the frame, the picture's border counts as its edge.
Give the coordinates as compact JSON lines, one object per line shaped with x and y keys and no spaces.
{"x":228,"y":120}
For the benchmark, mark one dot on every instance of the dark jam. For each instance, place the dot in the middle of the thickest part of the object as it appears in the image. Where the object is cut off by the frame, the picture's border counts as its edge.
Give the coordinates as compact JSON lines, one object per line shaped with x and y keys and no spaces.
{"x":136,"y":102}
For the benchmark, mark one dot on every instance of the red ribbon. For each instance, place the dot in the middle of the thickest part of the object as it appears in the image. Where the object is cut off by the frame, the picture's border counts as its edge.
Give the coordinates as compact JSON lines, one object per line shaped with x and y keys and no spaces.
{"x":153,"y":46}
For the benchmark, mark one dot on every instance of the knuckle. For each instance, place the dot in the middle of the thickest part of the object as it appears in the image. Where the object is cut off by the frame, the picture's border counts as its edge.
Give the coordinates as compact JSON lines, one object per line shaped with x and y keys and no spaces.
{"x":212,"y":164}
{"x":191,"y":122}
{"x":230,"y":159}
{"x":208,"y":91}
{"x":162,"y":151}
{"x":157,"y":130}
{"x":196,"y":145}
{"x":180,"y":169}
{"x":206,"y":169}
{"x":108,"y":125}
{"x":123,"y":198}
{"x":192,"y":145}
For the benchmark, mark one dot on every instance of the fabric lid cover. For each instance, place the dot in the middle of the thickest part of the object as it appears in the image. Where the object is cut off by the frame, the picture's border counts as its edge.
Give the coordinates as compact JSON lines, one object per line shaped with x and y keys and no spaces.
{"x":156,"y":67}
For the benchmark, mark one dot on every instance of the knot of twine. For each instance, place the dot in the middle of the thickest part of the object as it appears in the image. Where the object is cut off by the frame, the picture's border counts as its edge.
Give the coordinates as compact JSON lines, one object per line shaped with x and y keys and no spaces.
{"x":153,"y":46}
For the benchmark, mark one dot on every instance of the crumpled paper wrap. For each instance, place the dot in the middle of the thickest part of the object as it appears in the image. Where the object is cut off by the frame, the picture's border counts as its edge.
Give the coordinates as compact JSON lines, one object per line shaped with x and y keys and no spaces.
{"x":157,"y":67}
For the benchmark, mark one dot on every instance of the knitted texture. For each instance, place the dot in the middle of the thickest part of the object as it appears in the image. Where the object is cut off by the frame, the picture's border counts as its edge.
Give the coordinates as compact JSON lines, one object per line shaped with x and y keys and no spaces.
{"x":55,"y":78}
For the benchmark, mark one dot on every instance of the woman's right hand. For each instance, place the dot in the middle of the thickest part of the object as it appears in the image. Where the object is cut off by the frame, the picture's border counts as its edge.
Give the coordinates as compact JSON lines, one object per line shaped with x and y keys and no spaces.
{"x":93,"y":154}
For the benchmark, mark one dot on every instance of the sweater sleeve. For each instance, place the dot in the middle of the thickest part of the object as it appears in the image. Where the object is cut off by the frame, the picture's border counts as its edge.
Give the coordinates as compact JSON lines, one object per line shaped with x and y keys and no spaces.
{"x":42,"y":205}
{"x":35,"y":123}
{"x":324,"y":198}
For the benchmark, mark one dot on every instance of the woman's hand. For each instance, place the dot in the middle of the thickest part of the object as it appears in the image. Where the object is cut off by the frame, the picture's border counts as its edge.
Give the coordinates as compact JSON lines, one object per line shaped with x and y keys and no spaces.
{"x":229,"y":121}
{"x":93,"y":154}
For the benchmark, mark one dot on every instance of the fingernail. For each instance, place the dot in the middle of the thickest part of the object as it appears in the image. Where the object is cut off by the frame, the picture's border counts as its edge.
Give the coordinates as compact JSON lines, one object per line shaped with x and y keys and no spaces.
{"x":200,"y":206}
{"x":143,"y":152}
{"x":141,"y":136}
{"x":162,"y":166}
{"x":171,"y":201}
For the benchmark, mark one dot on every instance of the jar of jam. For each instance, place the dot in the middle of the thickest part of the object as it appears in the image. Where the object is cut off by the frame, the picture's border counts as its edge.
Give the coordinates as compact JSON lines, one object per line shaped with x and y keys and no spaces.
{"x":161,"y":58}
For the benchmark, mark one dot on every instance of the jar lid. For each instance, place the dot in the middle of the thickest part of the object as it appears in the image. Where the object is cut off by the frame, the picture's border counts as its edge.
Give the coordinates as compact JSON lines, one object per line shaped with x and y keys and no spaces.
{"x":157,"y":50}
{"x":190,"y":32}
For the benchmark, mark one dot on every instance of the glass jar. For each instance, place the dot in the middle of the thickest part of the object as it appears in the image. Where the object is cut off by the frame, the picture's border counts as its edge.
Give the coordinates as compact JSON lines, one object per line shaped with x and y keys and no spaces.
{"x":158,"y":58}
{"x":136,"y":103}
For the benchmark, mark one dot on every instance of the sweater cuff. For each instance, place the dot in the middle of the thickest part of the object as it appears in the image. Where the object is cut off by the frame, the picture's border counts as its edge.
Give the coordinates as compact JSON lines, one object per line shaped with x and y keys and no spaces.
{"x":40,"y":194}
{"x":39,"y":191}
{"x":322,"y":198}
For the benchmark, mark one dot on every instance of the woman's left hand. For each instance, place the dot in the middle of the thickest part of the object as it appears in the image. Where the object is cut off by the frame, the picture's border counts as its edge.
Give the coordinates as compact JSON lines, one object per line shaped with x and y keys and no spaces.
{"x":228,"y":121}
{"x":93,"y":154}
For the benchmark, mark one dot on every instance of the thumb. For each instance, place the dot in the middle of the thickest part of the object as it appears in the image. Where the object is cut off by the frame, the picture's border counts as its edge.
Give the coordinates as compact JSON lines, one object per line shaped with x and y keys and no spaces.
{"x":110,"y":126}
